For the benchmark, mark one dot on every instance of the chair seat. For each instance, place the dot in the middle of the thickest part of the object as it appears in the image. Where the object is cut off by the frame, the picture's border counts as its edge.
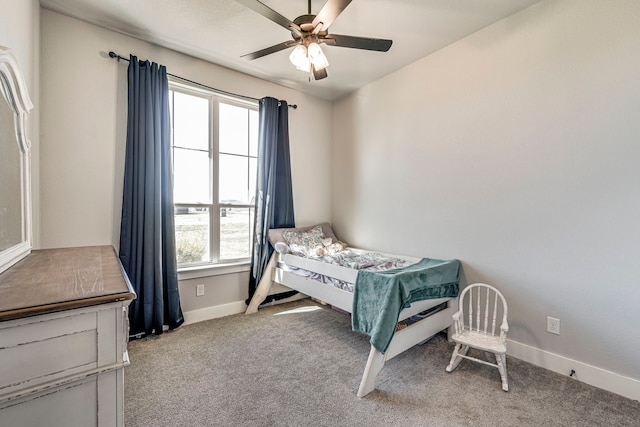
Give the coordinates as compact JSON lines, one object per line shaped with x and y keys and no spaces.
{"x":481,"y":341}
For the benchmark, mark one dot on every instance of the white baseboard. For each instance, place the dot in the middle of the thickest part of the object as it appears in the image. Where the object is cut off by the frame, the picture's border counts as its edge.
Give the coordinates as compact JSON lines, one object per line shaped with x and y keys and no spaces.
{"x":195,"y":316}
{"x":597,"y":377}
{"x":214,"y":312}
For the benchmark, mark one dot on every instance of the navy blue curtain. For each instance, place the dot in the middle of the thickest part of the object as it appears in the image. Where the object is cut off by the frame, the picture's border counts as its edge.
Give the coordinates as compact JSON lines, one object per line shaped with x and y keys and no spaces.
{"x":147,"y":240}
{"x":274,"y":192}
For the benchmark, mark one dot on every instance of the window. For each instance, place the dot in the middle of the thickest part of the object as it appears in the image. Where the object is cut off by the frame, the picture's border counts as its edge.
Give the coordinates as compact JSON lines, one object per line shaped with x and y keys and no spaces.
{"x":215,"y":143}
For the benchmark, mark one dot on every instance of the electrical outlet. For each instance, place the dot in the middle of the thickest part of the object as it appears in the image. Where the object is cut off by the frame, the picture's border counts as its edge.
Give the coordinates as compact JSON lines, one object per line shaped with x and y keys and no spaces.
{"x":200,"y":290}
{"x":553,"y":325}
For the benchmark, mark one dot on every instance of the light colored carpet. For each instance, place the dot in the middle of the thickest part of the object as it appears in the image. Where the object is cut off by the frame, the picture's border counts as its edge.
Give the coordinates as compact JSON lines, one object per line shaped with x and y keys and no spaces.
{"x":299,"y":364}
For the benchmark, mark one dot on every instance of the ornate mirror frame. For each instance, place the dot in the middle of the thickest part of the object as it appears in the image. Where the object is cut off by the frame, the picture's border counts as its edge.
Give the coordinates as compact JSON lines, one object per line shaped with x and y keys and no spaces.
{"x":17,"y":223}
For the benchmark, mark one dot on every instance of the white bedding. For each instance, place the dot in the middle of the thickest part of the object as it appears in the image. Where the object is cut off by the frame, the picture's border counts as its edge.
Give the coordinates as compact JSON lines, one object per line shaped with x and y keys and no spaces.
{"x":357,"y":260}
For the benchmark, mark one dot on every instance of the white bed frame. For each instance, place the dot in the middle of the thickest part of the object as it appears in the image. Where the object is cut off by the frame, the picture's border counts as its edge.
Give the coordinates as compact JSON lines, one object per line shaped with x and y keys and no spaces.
{"x":402,"y":340}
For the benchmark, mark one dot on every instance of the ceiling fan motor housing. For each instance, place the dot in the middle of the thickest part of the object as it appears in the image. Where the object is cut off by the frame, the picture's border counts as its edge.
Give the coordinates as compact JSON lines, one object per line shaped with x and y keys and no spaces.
{"x":305,"y":22}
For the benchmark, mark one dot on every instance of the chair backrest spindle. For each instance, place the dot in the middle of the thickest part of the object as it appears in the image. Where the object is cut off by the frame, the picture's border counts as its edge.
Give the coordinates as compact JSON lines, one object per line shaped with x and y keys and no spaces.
{"x":471,"y":311}
{"x":486,"y":312}
{"x":479,"y":298}
{"x":495,"y":313}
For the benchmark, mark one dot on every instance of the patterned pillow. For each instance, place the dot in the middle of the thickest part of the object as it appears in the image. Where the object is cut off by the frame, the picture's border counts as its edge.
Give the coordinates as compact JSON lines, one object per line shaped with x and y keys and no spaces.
{"x":275,"y":234}
{"x":304,"y":243}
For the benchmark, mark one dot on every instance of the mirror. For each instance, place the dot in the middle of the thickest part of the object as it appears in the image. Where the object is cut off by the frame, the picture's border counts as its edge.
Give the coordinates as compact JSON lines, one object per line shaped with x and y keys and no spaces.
{"x":10,"y":190}
{"x":15,"y":212}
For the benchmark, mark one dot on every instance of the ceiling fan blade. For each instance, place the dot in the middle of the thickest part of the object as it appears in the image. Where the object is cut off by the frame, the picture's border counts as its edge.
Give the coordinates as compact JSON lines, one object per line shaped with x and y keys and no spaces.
{"x":271,"y":14}
{"x":328,"y":14}
{"x":319,"y":74}
{"x":379,"y":45}
{"x":269,"y":50}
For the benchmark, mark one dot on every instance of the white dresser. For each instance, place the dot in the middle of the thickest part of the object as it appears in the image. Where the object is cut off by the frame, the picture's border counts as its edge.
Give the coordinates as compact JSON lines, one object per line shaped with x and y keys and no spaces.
{"x":63,"y":338}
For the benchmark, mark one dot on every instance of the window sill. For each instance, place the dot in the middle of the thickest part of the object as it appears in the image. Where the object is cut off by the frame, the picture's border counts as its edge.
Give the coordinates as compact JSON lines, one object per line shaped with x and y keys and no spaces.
{"x":187,"y":273}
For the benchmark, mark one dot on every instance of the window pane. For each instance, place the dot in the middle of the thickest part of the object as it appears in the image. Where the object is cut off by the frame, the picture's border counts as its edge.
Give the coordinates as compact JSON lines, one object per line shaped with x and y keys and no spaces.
{"x":253,"y":133}
{"x":234,"y":129}
{"x":191,"y":179}
{"x":190,"y":121}
{"x":234,"y":180}
{"x":192,"y":235}
{"x":236,"y":229}
{"x":206,"y":232}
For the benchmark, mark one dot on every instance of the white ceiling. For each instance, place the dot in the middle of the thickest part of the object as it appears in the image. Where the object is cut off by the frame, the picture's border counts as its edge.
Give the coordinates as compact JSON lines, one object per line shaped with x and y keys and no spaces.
{"x":221,"y":31}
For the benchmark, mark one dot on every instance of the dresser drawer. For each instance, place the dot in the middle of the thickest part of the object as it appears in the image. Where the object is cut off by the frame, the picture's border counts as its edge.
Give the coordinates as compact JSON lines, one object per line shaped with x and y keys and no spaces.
{"x":45,"y":351}
{"x":41,"y":351}
{"x":75,"y":404}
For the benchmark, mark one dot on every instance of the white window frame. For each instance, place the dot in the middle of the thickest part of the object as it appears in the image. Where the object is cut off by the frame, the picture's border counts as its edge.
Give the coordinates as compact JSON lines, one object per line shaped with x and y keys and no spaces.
{"x":215,"y":265}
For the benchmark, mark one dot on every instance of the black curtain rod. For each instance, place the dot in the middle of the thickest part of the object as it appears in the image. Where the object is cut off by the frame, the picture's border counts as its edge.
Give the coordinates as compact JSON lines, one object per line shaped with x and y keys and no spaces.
{"x":114,"y":55}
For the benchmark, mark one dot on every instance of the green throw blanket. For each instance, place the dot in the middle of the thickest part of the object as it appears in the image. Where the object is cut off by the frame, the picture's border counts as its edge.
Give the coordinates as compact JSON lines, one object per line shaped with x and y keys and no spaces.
{"x":380,"y":296}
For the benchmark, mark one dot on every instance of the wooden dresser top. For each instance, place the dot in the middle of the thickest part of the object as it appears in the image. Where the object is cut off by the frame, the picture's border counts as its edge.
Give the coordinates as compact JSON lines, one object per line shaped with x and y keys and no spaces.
{"x":51,"y":280}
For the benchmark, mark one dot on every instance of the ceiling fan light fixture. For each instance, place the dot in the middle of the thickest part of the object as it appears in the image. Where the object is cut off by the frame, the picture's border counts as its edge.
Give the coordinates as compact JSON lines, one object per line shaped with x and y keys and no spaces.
{"x":299,"y":57}
{"x":317,"y":57}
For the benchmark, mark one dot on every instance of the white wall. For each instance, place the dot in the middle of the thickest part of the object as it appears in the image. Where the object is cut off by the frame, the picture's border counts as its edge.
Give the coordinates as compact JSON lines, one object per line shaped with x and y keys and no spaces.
{"x":19,"y":31}
{"x":83,"y":140}
{"x":516,"y":151}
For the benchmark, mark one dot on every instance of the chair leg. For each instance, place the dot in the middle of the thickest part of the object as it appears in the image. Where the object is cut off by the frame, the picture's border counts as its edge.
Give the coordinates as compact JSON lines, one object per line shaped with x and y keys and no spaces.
{"x":455,"y":357}
{"x":502,"y":367}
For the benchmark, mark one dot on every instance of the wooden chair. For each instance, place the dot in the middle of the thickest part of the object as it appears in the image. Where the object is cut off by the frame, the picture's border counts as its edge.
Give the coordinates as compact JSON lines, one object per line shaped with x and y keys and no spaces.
{"x":480,"y":330}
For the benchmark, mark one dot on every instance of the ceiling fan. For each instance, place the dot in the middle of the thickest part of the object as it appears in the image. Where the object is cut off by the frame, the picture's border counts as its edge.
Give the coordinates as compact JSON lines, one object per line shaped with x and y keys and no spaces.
{"x":308,"y":32}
